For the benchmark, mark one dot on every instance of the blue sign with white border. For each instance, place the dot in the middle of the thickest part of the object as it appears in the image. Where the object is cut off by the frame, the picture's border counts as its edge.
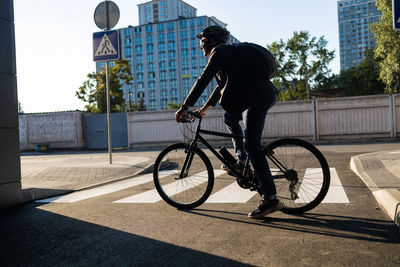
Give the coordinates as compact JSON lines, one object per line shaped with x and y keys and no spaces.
{"x":106,"y":46}
{"x":396,"y":14}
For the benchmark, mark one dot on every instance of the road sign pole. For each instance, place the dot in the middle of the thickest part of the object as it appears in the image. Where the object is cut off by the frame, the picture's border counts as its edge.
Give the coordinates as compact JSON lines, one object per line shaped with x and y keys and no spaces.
{"x":108,"y":115}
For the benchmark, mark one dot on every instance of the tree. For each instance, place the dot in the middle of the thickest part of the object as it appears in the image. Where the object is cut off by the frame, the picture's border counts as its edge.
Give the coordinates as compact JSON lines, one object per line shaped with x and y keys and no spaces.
{"x":388,"y":47}
{"x":303,"y":65}
{"x":93,"y":90}
{"x":141,"y":106}
{"x":172,"y":105}
{"x":362,"y":79}
{"x":20,"y":110}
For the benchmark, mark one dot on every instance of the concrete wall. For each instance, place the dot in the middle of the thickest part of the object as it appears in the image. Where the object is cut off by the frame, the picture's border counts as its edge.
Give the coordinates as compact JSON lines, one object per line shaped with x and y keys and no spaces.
{"x":10,"y":171}
{"x":58,"y":130}
{"x":344,"y":118}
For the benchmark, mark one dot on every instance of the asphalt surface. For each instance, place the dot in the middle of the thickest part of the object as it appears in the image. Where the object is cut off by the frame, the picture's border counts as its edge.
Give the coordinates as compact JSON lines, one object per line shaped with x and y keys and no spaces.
{"x":99,"y":231}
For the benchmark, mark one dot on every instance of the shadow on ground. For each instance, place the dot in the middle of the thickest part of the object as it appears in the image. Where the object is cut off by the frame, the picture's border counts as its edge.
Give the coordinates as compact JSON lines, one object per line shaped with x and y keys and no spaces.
{"x":31,"y":236}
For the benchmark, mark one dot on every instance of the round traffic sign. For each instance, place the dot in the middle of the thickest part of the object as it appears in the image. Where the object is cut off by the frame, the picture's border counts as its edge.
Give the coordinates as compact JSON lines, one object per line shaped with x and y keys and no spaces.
{"x":106,"y":15}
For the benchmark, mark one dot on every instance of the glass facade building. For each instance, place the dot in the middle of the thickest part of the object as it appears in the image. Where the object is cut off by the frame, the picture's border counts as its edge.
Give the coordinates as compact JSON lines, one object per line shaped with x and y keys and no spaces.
{"x":164,"y":53}
{"x":355,"y":17}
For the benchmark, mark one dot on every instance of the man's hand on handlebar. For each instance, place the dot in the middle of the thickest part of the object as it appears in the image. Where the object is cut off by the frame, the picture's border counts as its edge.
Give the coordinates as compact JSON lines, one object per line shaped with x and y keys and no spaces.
{"x":181,"y":113}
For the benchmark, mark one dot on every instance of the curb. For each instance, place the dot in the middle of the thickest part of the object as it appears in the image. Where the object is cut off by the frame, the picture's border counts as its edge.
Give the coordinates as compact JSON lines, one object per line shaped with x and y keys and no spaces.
{"x":388,"y":199}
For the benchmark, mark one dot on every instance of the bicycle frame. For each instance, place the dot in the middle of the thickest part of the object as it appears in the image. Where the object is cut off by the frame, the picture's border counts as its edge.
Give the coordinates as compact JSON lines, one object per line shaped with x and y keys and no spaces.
{"x":198,"y":137}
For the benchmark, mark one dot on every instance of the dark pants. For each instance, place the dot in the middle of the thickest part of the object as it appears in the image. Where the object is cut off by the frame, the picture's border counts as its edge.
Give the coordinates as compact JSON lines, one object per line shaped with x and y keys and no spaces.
{"x":253,"y":122}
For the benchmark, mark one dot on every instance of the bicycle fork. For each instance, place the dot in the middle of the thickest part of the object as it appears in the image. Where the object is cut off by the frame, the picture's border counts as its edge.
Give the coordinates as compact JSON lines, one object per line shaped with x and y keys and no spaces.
{"x":188,"y":161}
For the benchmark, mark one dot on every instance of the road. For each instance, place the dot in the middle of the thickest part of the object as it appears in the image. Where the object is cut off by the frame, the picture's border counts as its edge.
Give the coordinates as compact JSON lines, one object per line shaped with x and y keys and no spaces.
{"x":100,"y":229}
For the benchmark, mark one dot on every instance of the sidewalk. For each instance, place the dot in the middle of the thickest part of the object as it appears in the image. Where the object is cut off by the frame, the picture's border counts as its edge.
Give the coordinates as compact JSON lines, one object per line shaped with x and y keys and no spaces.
{"x":380,"y":171}
{"x":51,"y":174}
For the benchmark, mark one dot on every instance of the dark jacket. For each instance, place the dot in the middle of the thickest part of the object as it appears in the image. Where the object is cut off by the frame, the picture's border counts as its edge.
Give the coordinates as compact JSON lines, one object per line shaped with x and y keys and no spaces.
{"x":239,"y":83}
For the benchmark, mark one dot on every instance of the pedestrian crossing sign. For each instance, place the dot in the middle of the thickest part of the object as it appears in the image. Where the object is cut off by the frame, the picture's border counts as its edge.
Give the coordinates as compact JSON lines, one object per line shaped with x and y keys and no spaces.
{"x":106,"y":46}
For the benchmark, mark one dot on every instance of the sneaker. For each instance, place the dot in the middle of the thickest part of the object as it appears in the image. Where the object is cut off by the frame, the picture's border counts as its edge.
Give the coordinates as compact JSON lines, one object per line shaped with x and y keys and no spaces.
{"x":266,"y":207}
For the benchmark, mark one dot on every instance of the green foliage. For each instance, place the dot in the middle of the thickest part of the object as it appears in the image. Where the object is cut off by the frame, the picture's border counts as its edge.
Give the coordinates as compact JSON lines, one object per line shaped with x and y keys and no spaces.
{"x":362,"y":79}
{"x":172,"y":105}
{"x":93,"y":90}
{"x":388,"y":48}
{"x":20,"y":110}
{"x":302,"y":62}
{"x":141,"y":106}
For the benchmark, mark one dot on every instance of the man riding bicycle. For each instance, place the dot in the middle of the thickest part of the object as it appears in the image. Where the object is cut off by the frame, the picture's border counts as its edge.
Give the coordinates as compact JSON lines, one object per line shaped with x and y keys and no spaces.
{"x":245,"y":95}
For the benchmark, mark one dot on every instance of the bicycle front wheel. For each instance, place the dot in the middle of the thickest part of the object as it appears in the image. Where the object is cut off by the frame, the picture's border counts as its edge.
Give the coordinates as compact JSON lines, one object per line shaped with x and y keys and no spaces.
{"x":183,"y":179}
{"x":301,"y":174}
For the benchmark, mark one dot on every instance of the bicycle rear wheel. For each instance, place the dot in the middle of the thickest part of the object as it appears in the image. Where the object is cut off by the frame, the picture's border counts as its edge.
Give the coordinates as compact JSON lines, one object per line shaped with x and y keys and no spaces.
{"x":185,"y":189}
{"x":301,"y":174}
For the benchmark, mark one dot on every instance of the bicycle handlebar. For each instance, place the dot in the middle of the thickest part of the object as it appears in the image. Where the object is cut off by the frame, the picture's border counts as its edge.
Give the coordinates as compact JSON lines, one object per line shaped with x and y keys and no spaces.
{"x":191,"y":117}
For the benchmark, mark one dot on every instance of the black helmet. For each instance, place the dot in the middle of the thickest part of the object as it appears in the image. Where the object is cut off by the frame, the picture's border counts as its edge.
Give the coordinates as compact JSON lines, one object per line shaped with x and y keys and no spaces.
{"x":214,"y":32}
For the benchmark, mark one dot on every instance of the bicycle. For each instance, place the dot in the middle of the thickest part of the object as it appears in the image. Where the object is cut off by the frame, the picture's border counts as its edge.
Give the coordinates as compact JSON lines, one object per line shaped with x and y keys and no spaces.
{"x":302,"y":179}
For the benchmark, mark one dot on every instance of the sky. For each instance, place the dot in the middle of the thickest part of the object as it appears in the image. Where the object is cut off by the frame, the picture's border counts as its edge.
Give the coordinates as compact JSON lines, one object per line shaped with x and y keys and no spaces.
{"x":54,"y":38}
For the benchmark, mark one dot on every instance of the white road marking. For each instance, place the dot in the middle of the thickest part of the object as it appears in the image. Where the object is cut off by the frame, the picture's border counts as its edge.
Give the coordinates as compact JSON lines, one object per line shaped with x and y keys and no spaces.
{"x":312,"y":183}
{"x":229,"y":194}
{"x":233,"y":193}
{"x":336,"y":193}
{"x":171,"y":189}
{"x":102,"y":190}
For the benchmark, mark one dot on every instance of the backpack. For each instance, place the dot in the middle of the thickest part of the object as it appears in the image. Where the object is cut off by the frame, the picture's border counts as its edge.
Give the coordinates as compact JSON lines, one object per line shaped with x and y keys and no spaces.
{"x":257,"y":58}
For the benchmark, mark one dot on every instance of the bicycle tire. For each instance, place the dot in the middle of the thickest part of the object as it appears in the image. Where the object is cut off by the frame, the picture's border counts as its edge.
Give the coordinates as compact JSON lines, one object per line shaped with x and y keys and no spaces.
{"x":188,"y":192}
{"x":310,"y":168}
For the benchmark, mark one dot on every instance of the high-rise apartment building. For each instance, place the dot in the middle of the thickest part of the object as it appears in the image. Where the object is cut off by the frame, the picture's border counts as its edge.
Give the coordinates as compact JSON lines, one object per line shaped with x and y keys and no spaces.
{"x":355,"y":17}
{"x":164,"y":53}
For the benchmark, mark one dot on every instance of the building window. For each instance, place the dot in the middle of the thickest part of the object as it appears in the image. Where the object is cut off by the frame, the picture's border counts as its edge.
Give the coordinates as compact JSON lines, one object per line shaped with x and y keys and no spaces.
{"x":171,"y":45}
{"x":171,"y":54}
{"x":150,"y":67}
{"x":172,"y":74}
{"x":173,"y":93}
{"x":185,"y":53}
{"x":163,"y":85}
{"x":170,"y":26}
{"x":150,"y":48}
{"x":171,"y":36}
{"x":127,"y":32}
{"x":163,"y":75}
{"x":139,"y":59}
{"x":184,"y":43}
{"x":163,"y":65}
{"x":161,"y":47}
{"x":162,"y":56}
{"x":150,"y":58}
{"x":149,"y":28}
{"x":138,"y":30}
{"x":138,"y":49}
{"x":172,"y":64}
{"x":140,"y":77}
{"x":200,"y":21}
{"x":160,"y":27}
{"x":192,"y":23}
{"x":164,"y":103}
{"x":152,"y":104}
{"x":139,"y":68}
{"x":128,"y":41}
{"x":184,"y":34}
{"x":161,"y":38}
{"x":173,"y":84}
{"x":183,"y":24}
{"x":152,"y":85}
{"x":149,"y":39}
{"x":138,"y":40}
{"x":151,"y":76}
{"x":185,"y":63}
{"x":128,"y":51}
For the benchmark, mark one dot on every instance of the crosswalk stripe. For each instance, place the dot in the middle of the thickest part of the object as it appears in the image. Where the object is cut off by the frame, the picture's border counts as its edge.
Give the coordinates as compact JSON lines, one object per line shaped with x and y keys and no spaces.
{"x":336,"y":193}
{"x":152,"y":196}
{"x":312,"y":183}
{"x":231,"y":194}
{"x":102,"y":190}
